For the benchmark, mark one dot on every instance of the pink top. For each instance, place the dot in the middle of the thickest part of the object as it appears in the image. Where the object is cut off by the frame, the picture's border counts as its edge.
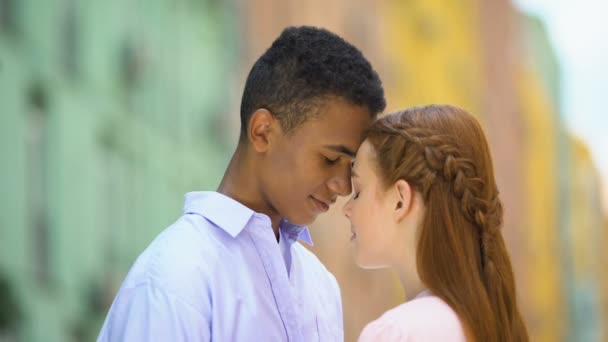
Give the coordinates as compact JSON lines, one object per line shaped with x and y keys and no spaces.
{"x":424,"y":318}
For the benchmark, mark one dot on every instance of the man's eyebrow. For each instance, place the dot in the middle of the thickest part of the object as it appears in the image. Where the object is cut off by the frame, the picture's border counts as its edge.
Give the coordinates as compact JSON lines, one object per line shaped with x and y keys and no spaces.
{"x":342,"y":149}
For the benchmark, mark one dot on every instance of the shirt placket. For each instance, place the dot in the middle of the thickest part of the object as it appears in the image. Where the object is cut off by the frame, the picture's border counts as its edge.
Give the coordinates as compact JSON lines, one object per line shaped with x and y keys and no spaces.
{"x":274,"y":266}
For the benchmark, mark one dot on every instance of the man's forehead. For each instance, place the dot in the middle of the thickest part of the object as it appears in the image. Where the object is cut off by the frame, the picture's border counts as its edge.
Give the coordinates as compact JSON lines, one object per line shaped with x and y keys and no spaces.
{"x":341,"y":120}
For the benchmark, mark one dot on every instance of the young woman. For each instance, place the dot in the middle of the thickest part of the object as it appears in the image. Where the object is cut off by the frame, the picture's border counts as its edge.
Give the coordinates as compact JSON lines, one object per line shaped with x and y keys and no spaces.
{"x":426,"y":204}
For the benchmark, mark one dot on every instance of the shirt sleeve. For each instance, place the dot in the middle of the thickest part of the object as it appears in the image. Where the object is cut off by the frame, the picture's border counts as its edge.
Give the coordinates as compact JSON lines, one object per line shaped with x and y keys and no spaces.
{"x":149,"y":313}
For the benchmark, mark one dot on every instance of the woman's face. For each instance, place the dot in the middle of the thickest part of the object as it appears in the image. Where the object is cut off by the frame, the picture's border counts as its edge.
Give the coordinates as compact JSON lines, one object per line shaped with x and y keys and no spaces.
{"x":370,"y":211}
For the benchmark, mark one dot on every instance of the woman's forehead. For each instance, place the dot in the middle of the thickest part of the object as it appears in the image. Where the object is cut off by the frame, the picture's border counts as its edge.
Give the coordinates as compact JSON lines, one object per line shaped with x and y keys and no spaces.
{"x":362,"y":163}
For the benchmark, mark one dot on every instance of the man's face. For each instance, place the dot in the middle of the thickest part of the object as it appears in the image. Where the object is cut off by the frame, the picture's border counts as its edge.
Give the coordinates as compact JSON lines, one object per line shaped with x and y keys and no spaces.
{"x":307,"y":169}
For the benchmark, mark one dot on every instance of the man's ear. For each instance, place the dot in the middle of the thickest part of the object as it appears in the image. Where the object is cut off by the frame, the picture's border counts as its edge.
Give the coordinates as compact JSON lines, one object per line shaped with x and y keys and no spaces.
{"x":403,"y":197}
{"x":261,"y":130}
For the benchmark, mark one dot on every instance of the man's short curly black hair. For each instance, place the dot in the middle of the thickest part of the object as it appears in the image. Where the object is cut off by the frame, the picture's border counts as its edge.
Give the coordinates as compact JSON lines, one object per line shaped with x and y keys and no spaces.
{"x":304,"y":66}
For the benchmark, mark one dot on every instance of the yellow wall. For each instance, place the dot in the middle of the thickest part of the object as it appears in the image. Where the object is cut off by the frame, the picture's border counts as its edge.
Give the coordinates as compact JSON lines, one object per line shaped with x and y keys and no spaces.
{"x":432,"y":53}
{"x":542,"y":296}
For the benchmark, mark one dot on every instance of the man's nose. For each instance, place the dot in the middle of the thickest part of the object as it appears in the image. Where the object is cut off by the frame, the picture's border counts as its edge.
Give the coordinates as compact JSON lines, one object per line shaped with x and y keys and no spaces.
{"x":340,"y":183}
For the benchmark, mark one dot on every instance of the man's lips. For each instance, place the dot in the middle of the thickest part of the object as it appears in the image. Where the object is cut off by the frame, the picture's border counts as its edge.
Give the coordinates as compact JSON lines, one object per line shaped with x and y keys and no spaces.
{"x":322,"y":205}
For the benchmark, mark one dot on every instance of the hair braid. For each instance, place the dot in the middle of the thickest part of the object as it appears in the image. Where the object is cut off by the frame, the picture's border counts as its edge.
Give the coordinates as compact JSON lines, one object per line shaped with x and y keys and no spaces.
{"x":443,"y":158}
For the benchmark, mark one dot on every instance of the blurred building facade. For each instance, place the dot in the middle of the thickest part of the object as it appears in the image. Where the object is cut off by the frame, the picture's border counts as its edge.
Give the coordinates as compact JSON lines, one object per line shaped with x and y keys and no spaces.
{"x":110,"y":112}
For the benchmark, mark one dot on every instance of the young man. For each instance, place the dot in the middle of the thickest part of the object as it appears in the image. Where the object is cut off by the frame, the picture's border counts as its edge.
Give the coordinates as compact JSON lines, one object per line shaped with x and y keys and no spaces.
{"x":231,"y":269}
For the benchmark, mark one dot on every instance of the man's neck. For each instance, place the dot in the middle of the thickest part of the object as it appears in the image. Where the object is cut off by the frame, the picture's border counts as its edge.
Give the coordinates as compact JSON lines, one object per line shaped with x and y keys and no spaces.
{"x":239,"y":183}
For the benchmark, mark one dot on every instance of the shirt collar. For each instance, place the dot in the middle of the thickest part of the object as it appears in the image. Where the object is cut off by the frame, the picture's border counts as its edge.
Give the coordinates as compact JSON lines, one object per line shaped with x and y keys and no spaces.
{"x":232,"y":216}
{"x":223,"y":211}
{"x":294,"y":232}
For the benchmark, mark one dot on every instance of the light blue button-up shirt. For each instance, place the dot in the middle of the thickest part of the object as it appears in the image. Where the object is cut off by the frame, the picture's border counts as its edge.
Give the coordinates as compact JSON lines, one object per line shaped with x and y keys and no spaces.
{"x":218,"y":274}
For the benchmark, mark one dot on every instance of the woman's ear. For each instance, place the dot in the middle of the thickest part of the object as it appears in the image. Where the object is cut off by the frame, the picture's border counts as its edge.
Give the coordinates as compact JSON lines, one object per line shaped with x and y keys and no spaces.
{"x":403,"y":199}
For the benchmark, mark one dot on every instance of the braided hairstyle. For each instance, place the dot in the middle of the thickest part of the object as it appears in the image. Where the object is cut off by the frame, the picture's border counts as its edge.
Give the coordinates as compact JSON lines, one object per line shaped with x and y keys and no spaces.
{"x":441,"y":152}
